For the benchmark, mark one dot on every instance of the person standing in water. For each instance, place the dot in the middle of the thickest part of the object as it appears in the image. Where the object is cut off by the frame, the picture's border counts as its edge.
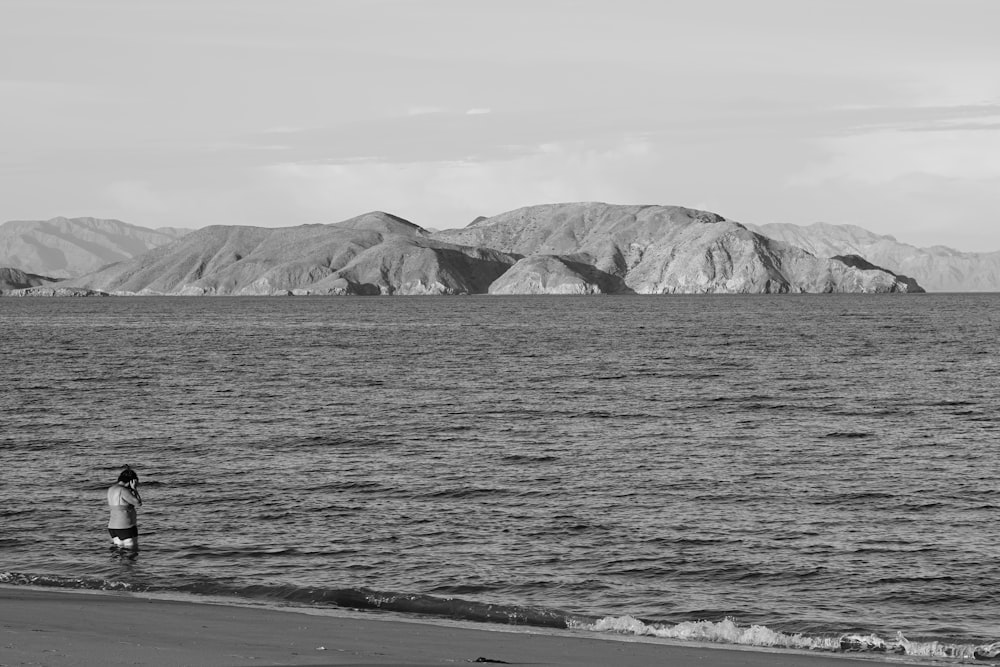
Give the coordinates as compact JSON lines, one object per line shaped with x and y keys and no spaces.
{"x":123,"y":498}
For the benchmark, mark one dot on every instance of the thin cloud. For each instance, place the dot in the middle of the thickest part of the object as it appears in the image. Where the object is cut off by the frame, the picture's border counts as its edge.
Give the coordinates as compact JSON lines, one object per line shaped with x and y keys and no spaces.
{"x":424,"y":111}
{"x":284,"y":129}
{"x":882,"y":156}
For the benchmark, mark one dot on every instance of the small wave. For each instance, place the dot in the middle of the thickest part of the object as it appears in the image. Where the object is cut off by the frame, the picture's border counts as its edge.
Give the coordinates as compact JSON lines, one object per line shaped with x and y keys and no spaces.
{"x":729,"y":632}
{"x":466,"y":492}
{"x":530,"y":458}
{"x":920,"y":507}
{"x":726,"y":631}
{"x":762,"y":406}
{"x":862,"y":498}
{"x":598,"y":414}
{"x":355,"y":486}
{"x":82,"y":583}
{"x":846,"y":435}
{"x":200,"y":551}
{"x":886,"y":581}
{"x":699,"y":541}
{"x":15,"y":511}
{"x":354,"y":598}
{"x":466,"y":610}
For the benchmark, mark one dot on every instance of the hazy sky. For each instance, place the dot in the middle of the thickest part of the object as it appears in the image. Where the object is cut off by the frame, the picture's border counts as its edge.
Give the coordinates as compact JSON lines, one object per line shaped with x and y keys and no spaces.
{"x":880,"y":113}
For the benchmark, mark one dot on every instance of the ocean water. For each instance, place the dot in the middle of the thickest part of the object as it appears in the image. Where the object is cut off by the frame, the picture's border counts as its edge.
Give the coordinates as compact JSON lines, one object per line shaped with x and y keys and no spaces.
{"x":806,"y":471}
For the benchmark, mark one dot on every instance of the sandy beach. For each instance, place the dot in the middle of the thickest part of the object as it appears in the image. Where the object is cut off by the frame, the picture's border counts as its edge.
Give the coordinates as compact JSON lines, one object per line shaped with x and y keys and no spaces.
{"x":43,"y":627}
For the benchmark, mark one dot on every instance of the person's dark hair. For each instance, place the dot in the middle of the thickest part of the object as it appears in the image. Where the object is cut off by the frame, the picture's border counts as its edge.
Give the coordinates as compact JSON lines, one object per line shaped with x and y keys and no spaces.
{"x":129,"y":479}
{"x":128,"y":475}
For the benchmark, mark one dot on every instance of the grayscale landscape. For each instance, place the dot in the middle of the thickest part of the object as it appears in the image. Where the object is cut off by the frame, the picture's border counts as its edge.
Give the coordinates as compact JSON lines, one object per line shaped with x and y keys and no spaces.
{"x":439,"y":332}
{"x":584,"y":248}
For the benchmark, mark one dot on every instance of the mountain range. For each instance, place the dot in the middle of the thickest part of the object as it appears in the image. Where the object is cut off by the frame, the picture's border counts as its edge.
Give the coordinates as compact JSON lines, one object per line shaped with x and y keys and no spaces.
{"x":937,"y":269}
{"x":71,"y":247}
{"x":574,"y":248}
{"x":587,"y":248}
{"x":375,"y":253}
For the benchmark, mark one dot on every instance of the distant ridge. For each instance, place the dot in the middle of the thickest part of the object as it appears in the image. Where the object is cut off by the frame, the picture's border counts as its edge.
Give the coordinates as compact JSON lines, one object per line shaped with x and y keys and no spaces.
{"x":67,"y":247}
{"x":938,"y":269}
{"x":592,"y":247}
{"x":374,"y":253}
{"x":570,"y":248}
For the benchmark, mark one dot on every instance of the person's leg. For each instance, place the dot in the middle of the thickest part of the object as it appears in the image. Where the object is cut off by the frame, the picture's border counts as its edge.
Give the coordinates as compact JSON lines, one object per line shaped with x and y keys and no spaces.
{"x":132,"y":540}
{"x":125,"y":538}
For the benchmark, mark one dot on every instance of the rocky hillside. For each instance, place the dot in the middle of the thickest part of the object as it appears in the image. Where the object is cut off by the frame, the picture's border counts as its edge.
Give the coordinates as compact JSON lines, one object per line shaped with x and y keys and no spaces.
{"x":12,"y":279}
{"x":68,"y":247}
{"x":583,"y":248}
{"x":375,"y":253}
{"x":587,"y":248}
{"x":937,"y":269}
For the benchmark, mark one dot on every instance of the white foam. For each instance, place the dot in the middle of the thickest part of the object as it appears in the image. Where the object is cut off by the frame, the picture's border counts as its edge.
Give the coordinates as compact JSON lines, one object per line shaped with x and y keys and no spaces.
{"x":725,"y":631}
{"x":729,"y":632}
{"x":935,"y":649}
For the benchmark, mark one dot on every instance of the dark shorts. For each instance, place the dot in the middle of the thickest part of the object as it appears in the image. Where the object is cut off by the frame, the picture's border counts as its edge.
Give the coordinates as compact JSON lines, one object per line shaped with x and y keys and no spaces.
{"x":124,"y":533}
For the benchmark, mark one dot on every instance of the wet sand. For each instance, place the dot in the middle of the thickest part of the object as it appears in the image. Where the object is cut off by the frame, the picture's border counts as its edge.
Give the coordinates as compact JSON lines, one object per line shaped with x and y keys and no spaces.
{"x":42,"y":627}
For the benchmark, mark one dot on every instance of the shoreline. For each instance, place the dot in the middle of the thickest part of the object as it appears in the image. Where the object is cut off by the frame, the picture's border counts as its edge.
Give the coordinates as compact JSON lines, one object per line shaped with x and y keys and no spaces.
{"x":71,"y":627}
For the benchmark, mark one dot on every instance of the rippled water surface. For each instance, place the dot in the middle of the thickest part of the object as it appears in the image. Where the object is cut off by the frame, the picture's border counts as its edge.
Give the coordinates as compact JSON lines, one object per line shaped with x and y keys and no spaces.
{"x":822,"y":465}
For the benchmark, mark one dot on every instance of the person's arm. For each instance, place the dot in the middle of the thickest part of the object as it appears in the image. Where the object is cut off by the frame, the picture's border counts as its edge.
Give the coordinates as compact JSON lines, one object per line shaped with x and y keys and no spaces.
{"x":130,"y":497}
